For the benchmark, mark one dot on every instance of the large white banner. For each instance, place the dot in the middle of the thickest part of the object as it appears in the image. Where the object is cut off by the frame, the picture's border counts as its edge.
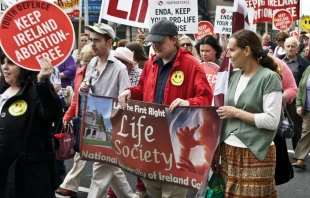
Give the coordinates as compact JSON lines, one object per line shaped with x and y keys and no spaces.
{"x":144,"y":13}
{"x":127,"y":12}
{"x":223,"y":20}
{"x":184,"y":13}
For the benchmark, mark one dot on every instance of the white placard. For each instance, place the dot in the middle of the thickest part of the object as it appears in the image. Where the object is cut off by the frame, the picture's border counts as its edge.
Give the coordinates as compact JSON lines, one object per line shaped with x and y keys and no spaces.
{"x":223,"y":20}
{"x":183,"y":13}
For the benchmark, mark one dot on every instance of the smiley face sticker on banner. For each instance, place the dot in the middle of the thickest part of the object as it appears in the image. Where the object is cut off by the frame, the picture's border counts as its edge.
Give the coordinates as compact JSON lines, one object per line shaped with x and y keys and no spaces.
{"x":177,"y":78}
{"x":18,"y":108}
{"x":34,"y":30}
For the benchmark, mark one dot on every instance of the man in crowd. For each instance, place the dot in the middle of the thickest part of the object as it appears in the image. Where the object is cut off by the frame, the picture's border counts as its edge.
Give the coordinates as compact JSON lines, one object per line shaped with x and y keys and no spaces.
{"x":106,"y":76}
{"x":140,"y":39}
{"x":158,"y":85}
{"x":297,"y":64}
{"x":83,"y":41}
{"x":267,"y":41}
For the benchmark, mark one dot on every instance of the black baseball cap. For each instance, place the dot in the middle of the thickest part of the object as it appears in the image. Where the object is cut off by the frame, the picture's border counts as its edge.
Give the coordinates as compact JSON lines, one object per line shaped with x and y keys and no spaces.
{"x":160,"y":30}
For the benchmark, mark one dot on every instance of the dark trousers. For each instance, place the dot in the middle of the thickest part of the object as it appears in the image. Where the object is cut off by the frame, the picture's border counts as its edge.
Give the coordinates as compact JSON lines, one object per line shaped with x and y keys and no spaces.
{"x":297,"y":120}
{"x":284,"y":170}
{"x":60,"y":164}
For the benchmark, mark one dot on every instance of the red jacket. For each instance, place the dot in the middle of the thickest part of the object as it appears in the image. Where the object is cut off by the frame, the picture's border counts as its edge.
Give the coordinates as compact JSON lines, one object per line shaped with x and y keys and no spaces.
{"x":74,"y":107}
{"x":195,"y":87}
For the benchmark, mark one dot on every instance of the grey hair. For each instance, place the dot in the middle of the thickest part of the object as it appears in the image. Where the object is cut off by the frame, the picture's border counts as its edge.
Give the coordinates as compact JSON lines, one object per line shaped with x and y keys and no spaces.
{"x":291,"y":39}
{"x":269,"y":37}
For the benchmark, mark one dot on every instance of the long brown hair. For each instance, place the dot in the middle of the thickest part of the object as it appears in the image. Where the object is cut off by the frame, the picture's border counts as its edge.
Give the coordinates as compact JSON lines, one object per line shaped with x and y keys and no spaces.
{"x":246,"y":38}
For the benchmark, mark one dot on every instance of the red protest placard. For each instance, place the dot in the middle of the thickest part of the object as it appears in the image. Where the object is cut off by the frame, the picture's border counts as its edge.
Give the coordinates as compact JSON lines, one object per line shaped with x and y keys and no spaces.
{"x":204,"y":28}
{"x":32,"y":30}
{"x":211,"y":70}
{"x":282,"y":20}
{"x":149,"y":141}
{"x":263,"y":10}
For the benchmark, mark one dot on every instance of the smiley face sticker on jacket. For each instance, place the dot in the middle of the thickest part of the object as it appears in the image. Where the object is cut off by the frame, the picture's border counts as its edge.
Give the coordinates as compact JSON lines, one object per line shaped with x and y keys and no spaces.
{"x":18,"y":108}
{"x":177,"y":78}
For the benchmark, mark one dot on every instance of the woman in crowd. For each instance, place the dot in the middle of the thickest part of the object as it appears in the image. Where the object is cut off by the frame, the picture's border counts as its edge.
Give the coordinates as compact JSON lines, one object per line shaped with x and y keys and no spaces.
{"x":271,"y":51}
{"x":70,"y":185}
{"x":27,"y":157}
{"x":187,"y":43}
{"x":251,"y":115}
{"x":139,"y":55}
{"x":303,"y":109}
{"x":209,"y":49}
{"x":279,"y":50}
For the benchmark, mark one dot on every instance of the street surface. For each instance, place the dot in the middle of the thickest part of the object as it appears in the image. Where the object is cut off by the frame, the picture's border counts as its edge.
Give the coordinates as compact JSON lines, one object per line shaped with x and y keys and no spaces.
{"x":298,"y":187}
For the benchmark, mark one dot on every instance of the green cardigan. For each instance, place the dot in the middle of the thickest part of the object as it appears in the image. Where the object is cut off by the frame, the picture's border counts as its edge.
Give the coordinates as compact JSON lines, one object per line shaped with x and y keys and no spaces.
{"x":251,"y":100}
{"x":302,"y":91}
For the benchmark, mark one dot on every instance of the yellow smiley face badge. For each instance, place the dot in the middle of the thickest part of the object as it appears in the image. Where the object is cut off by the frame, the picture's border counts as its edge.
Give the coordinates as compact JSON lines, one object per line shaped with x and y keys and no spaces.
{"x":19,"y":107}
{"x":305,"y":23}
{"x":177,"y":78}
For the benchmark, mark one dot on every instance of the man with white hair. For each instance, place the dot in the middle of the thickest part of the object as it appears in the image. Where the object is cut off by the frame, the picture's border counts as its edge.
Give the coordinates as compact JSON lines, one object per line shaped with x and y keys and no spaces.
{"x":266,"y":40}
{"x":297,"y":64}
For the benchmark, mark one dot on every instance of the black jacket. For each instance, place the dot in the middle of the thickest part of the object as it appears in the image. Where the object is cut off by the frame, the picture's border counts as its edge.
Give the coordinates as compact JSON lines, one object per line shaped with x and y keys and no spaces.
{"x":26,"y":143}
{"x":303,"y":64}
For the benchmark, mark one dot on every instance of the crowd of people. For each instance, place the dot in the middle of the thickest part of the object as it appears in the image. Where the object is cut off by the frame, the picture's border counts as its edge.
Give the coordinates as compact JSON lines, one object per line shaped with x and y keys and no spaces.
{"x":253,"y":158}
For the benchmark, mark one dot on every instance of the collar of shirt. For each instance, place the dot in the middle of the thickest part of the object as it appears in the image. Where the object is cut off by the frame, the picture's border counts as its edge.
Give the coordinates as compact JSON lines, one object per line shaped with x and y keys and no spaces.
{"x":161,"y":62}
{"x":289,"y":60}
{"x":110,"y":59}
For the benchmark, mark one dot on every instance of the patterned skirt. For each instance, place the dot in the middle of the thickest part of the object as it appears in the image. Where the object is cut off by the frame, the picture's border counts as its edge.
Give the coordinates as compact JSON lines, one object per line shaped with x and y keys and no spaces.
{"x":245,"y":176}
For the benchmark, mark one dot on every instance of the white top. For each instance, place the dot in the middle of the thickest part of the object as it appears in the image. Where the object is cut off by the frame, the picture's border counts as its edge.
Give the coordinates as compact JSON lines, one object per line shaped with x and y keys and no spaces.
{"x":267,"y":120}
{"x":278,"y":51}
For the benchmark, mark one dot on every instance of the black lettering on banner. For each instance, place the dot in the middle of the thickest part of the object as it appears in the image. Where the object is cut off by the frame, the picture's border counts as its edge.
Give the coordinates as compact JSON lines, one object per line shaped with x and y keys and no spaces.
{"x":154,"y":19}
{"x":182,"y":10}
{"x":182,"y":28}
{"x":163,"y":12}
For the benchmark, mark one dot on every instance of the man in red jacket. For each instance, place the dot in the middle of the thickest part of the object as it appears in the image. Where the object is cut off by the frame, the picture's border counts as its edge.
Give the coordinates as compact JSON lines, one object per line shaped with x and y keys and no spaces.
{"x":171,"y":77}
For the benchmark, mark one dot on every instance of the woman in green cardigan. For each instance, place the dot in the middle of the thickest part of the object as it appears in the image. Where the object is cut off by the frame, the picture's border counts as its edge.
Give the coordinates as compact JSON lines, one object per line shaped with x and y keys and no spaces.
{"x":251,"y":115}
{"x":303,"y":109}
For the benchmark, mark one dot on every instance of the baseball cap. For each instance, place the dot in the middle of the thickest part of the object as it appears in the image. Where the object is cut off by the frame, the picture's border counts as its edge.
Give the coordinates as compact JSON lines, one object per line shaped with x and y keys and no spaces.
{"x":307,"y":35}
{"x":160,"y":30}
{"x":101,"y":28}
{"x":124,"y":54}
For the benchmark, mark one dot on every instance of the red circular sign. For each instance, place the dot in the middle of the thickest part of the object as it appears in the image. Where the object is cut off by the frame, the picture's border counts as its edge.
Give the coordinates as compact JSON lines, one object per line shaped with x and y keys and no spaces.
{"x":32,"y":30}
{"x":283,"y":20}
{"x":211,"y":70}
{"x":204,"y":28}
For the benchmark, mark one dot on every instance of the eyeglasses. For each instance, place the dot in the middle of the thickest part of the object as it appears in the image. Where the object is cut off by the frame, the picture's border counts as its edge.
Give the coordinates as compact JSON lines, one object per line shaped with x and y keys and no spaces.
{"x":95,"y":41}
{"x":187,"y":44}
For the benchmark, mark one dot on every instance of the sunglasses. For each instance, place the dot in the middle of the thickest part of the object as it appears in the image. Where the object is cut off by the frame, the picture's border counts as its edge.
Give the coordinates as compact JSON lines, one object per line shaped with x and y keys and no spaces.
{"x":187,"y":44}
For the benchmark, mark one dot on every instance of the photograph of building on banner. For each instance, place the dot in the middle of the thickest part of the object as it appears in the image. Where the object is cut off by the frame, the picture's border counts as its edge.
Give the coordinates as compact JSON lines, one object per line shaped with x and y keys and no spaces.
{"x":149,"y":141}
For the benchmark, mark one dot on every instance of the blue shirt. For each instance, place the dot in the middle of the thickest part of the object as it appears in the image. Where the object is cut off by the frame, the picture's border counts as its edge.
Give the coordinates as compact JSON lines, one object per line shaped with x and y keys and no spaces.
{"x":162,"y":77}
